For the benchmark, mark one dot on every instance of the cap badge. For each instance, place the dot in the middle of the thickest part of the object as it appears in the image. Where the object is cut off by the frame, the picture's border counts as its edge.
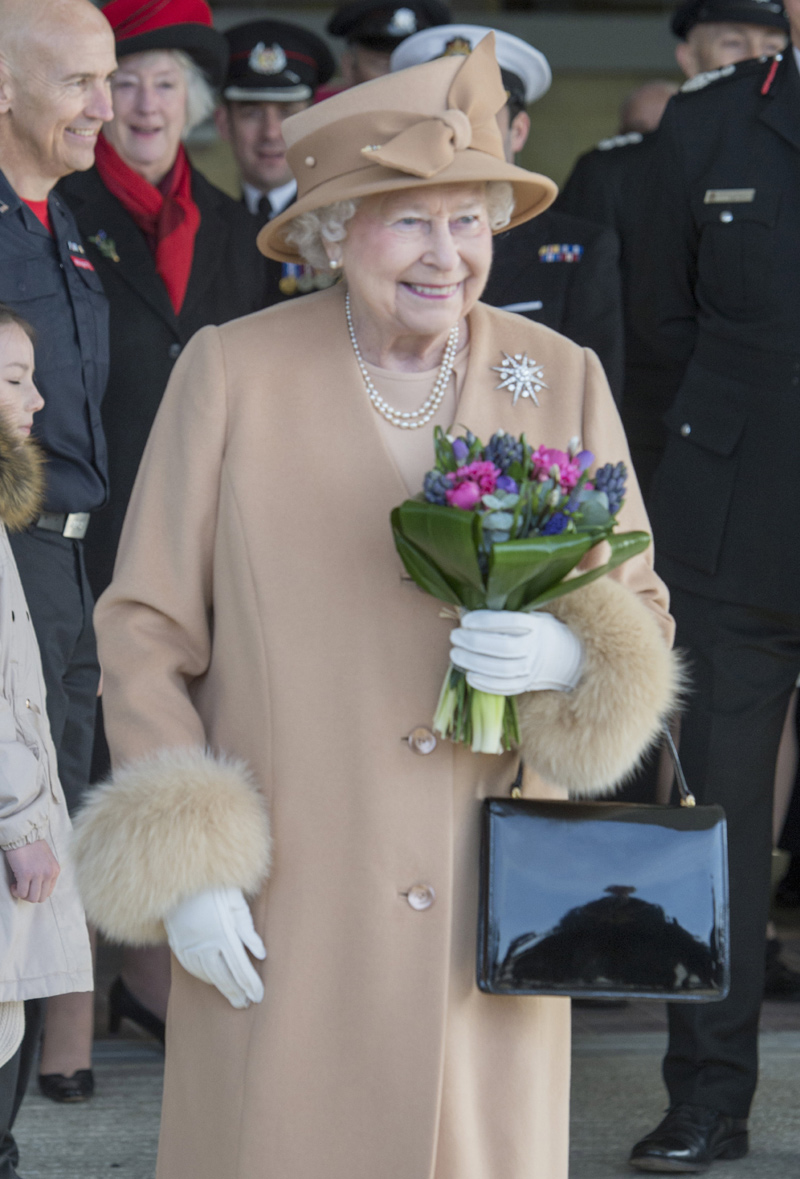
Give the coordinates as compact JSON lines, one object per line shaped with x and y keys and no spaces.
{"x":458,"y":47}
{"x":521,"y":376}
{"x":403,"y":23}
{"x":267,"y":59}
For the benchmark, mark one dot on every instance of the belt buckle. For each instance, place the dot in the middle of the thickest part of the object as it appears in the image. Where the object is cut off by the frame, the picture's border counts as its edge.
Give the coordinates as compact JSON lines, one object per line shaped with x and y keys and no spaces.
{"x":75,"y":525}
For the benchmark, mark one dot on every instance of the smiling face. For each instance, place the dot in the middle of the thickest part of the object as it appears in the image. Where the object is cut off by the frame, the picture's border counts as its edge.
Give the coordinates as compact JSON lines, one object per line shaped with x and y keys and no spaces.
{"x":416,"y":264}
{"x":54,"y":98}
{"x":716,"y":44}
{"x":149,"y":93}
{"x":255,"y":133}
{"x":19,"y":397}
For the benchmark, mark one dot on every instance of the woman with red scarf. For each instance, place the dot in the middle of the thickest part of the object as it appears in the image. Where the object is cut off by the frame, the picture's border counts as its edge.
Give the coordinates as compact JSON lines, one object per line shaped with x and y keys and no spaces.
{"x":174,"y":253}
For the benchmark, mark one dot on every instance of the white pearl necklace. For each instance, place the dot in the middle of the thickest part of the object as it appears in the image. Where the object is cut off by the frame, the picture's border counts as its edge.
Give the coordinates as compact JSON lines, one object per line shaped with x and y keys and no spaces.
{"x":417,"y":417}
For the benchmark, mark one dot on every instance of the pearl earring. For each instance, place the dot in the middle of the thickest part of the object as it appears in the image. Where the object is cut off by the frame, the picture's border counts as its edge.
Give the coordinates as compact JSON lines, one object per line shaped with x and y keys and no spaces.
{"x":334,"y":265}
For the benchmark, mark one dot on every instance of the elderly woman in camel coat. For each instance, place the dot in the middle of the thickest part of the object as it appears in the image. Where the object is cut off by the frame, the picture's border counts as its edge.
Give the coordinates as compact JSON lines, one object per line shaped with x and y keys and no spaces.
{"x":265,"y":655}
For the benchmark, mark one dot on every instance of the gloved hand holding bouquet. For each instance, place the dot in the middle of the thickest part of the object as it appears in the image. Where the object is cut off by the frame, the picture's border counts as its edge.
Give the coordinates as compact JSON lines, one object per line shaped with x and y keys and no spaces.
{"x":497,"y":532}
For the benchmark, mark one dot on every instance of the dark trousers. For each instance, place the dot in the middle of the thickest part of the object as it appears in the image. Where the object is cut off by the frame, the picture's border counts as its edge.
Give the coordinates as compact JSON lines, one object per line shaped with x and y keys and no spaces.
{"x":14,"y":1077}
{"x":60,"y":601}
{"x":743,"y":665}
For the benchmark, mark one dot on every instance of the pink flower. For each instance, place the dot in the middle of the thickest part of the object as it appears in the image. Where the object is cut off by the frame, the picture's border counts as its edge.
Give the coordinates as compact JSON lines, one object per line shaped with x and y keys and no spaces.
{"x":470,"y":483}
{"x":569,"y":469}
{"x":466,"y":495}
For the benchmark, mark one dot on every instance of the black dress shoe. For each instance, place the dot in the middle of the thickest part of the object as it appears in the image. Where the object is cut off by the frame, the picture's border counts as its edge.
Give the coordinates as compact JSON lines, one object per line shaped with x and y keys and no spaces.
{"x":689,"y":1139}
{"x":123,"y":1004}
{"x":78,"y":1087}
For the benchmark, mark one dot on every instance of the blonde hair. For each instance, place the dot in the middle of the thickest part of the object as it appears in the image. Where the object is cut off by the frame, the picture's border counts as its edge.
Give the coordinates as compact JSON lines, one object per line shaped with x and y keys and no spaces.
{"x":309,"y":231}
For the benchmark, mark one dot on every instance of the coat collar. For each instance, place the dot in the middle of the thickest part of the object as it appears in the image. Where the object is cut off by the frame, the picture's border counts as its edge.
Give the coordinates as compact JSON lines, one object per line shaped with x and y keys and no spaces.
{"x":21,"y":480}
{"x":781,"y":105}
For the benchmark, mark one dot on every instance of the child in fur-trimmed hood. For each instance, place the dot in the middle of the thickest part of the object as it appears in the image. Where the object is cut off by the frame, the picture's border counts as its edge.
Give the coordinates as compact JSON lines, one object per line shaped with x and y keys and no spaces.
{"x":44,"y":945}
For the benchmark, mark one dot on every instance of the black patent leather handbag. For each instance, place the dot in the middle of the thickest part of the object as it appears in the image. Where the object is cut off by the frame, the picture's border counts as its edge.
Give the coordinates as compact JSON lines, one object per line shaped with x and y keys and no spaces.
{"x":604,"y":900}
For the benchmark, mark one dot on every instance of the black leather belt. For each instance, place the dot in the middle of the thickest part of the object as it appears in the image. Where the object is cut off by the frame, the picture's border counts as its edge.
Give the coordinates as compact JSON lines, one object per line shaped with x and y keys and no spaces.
{"x":72,"y":525}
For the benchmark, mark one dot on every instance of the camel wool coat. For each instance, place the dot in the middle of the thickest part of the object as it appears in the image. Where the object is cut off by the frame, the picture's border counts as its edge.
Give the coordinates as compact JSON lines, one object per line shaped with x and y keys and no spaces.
{"x":264,"y":652}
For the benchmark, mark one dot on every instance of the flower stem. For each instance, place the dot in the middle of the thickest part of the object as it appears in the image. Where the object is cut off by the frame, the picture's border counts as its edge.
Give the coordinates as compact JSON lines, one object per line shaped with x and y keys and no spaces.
{"x":489,"y":724}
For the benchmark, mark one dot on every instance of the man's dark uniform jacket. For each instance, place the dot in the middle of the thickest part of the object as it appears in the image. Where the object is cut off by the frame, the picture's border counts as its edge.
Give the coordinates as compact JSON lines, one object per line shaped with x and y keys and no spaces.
{"x":50,"y":282}
{"x":606,"y":187}
{"x":716,"y":296}
{"x":228,"y":279}
{"x":563,"y":272}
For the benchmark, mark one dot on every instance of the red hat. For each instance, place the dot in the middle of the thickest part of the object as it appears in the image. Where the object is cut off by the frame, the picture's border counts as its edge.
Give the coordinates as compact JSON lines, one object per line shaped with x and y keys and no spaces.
{"x":140,"y":25}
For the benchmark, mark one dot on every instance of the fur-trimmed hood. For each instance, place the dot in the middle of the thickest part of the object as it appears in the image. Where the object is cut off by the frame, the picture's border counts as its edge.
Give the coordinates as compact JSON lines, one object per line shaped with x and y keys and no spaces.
{"x":21,"y":479}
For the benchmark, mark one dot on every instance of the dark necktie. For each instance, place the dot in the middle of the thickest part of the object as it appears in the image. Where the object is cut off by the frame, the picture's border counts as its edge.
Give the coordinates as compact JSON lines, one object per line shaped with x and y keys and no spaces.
{"x":265,"y":210}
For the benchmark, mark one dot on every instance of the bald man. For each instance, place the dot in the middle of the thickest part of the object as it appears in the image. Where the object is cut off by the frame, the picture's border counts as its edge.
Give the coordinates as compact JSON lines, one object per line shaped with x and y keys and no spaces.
{"x":643,"y":108}
{"x":56,"y":59}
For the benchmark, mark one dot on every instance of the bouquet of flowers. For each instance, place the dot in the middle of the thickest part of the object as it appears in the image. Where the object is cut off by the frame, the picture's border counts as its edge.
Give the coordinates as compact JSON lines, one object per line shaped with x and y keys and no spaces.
{"x":502,"y":527}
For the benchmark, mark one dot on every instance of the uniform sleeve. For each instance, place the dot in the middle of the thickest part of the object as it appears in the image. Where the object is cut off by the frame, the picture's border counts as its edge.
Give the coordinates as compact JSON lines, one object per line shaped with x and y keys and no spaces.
{"x":593,"y":315}
{"x":664,"y":258}
{"x":591,"y":739}
{"x":176,"y":818}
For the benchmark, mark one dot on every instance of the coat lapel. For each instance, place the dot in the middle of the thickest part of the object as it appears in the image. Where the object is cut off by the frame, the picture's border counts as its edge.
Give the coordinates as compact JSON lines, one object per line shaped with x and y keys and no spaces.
{"x":209,"y":248}
{"x":781,"y":110}
{"x":101,"y":212}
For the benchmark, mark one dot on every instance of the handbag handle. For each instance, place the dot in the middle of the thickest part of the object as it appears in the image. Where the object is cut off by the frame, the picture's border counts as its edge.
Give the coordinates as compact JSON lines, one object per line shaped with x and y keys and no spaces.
{"x":687,"y":798}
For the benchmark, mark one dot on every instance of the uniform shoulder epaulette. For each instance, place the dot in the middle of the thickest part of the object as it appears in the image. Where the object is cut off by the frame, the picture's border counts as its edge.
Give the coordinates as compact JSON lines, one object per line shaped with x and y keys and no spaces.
{"x":620,"y":141}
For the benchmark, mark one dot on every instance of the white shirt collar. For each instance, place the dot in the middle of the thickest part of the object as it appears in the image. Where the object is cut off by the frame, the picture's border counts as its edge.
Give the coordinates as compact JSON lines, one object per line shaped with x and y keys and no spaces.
{"x":278,"y":198}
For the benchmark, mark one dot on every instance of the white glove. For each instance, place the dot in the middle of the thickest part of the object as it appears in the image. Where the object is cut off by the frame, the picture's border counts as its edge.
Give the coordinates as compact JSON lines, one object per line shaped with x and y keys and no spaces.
{"x":506,"y":653}
{"x":207,"y":934}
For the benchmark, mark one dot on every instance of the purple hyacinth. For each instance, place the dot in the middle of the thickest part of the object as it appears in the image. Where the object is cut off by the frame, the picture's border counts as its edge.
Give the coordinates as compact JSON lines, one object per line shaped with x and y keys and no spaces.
{"x":612,"y":481}
{"x":503,"y":450}
{"x":436,"y":486}
{"x":556,"y":524}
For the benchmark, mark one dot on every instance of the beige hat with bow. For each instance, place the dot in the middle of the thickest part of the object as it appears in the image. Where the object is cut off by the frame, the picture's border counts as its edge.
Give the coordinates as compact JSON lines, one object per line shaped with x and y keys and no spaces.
{"x":429,"y":125}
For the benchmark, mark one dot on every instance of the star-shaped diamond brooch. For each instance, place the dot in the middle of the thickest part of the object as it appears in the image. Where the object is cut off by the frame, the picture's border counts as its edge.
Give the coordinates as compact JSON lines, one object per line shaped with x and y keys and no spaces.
{"x":521,"y":376}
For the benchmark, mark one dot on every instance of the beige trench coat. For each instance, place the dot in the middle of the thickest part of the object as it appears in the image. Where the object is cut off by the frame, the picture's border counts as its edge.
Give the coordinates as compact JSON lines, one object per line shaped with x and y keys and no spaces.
{"x":44,"y":948}
{"x":259,"y":609}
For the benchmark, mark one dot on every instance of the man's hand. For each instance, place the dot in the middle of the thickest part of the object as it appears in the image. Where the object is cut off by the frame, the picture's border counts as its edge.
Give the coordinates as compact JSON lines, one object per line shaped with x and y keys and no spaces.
{"x":35,"y":871}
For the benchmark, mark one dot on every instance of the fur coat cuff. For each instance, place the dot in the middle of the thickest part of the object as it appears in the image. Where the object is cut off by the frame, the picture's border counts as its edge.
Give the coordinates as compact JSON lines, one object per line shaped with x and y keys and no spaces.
{"x":162,"y":829}
{"x":590,"y":739}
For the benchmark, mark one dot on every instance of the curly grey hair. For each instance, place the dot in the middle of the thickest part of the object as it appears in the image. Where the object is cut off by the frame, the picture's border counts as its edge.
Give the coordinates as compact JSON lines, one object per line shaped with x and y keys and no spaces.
{"x":310,"y":231}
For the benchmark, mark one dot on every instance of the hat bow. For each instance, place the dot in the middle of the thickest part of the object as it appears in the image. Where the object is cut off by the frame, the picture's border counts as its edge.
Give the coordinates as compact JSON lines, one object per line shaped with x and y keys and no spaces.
{"x":429,"y":146}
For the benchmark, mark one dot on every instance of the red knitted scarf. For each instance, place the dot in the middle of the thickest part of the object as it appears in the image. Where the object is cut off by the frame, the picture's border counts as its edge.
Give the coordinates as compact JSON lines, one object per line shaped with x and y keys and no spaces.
{"x":169,"y":219}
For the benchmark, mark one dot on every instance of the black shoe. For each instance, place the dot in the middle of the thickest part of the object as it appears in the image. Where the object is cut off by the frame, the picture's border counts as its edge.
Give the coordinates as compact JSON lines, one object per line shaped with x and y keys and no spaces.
{"x":780,"y":981}
{"x":122,"y":1004}
{"x":689,"y":1139}
{"x":78,"y":1087}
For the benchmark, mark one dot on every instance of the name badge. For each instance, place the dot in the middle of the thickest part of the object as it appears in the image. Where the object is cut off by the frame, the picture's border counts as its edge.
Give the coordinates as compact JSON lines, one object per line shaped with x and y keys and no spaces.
{"x":729,"y":196}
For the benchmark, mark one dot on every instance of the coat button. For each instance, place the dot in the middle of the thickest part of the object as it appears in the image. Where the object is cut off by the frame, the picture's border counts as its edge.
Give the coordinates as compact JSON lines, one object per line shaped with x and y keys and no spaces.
{"x":174,"y":351}
{"x":421,"y":897}
{"x":422,"y":741}
{"x":686,"y":430}
{"x":726,"y":217}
